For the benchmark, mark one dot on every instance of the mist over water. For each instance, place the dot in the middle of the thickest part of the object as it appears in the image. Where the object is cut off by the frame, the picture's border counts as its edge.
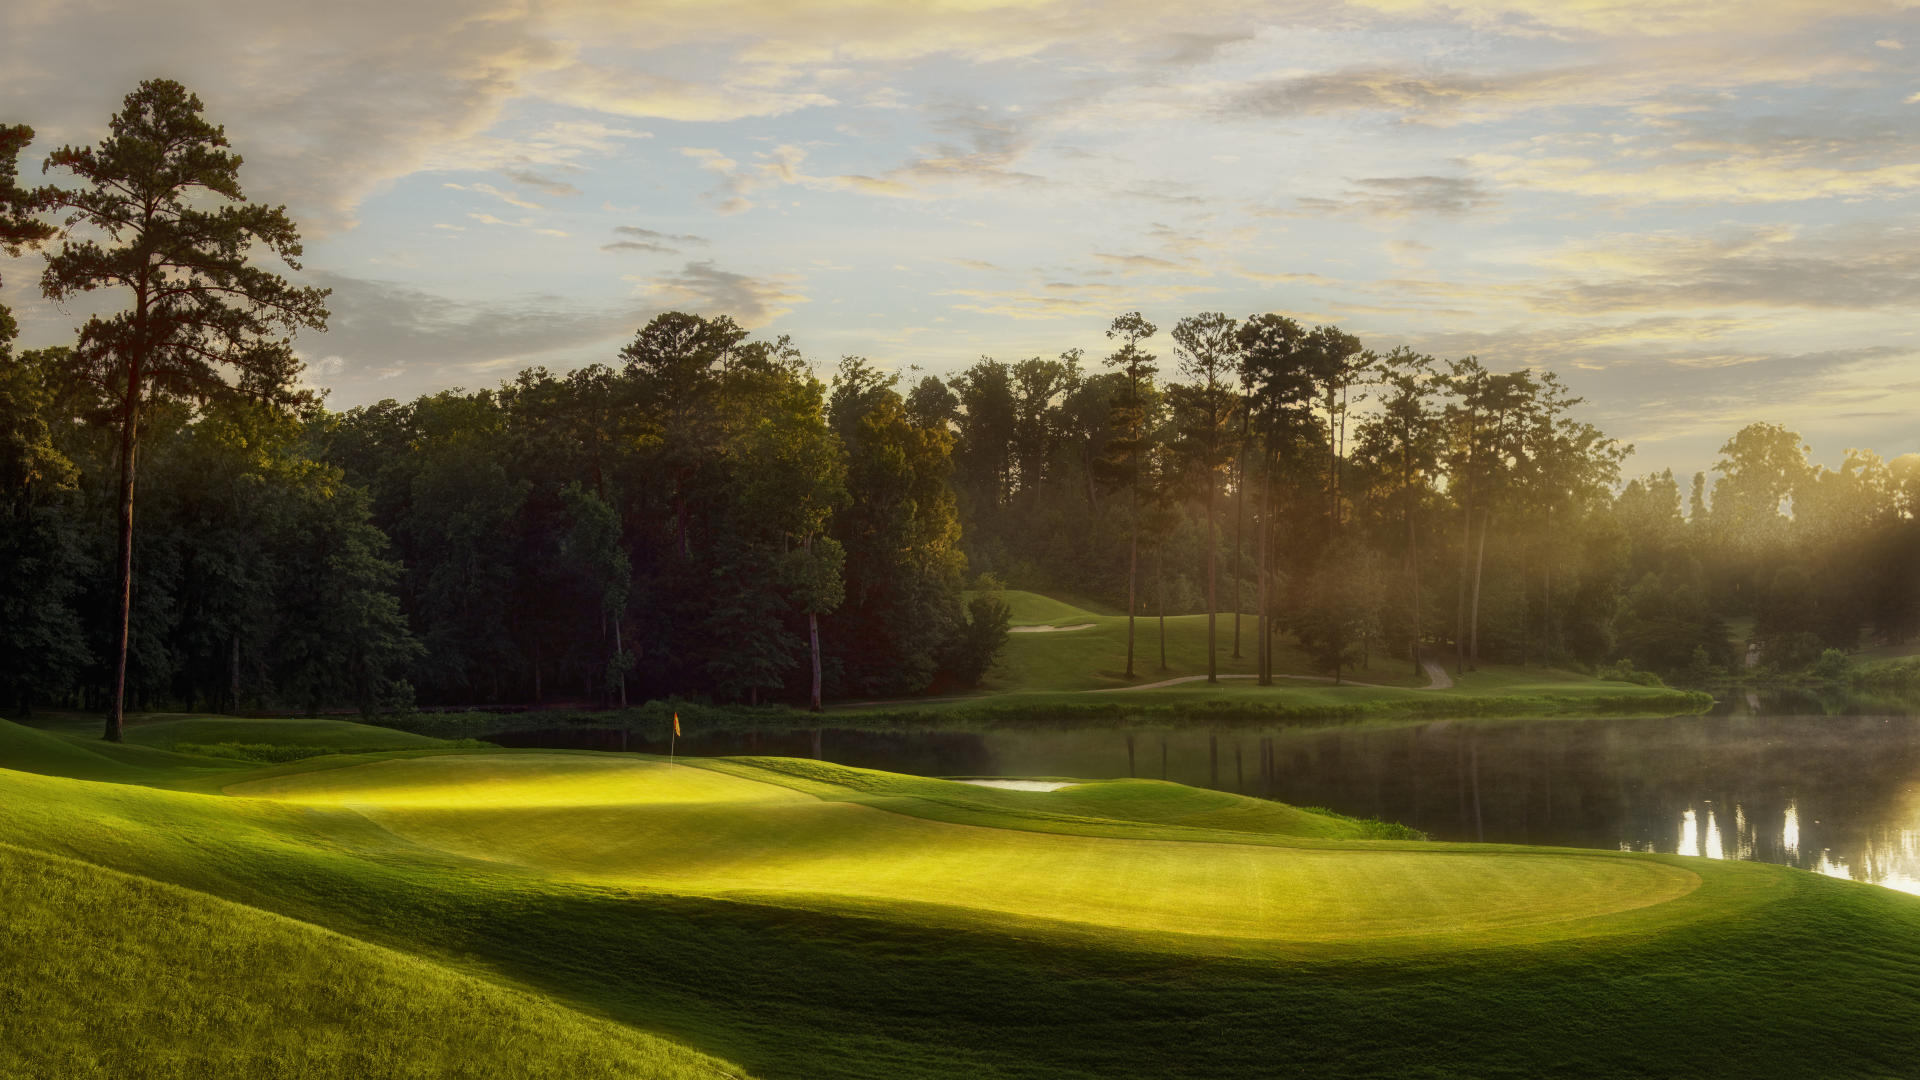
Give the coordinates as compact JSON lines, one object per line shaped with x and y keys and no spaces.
{"x":1828,"y":785}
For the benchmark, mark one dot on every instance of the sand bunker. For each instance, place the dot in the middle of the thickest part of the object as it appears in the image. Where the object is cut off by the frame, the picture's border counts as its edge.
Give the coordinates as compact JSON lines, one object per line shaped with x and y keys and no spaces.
{"x":1022,"y":785}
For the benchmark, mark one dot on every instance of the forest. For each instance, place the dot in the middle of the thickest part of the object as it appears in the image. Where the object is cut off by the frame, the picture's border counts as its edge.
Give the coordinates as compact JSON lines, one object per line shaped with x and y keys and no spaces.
{"x":717,"y":516}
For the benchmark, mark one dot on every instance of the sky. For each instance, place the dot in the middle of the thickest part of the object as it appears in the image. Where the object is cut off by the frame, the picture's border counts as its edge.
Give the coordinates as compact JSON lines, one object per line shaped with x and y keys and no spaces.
{"x":1699,"y":214}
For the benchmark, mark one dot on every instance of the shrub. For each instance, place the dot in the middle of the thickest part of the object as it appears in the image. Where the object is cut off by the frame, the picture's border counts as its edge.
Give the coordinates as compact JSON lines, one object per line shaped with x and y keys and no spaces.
{"x":1833,"y":666}
{"x":1624,"y":671}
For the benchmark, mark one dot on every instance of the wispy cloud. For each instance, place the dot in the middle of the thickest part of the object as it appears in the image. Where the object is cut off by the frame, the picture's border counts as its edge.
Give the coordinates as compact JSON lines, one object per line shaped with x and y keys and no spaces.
{"x":507,"y":197}
{"x":701,"y":286}
{"x":1405,"y":196}
{"x":636,"y":239}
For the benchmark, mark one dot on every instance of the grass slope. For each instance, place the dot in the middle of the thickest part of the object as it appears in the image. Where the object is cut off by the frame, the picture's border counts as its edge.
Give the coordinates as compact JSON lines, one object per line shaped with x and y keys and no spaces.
{"x":1038,"y":673}
{"x":810,"y":921}
{"x":338,"y":735}
{"x":109,"y":975}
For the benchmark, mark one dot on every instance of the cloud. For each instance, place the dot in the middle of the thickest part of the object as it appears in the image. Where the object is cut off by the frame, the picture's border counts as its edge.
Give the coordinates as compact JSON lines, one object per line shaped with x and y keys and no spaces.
{"x":1618,"y":76}
{"x":781,"y":166}
{"x":1855,"y":268}
{"x":326,"y":104}
{"x":648,"y":240}
{"x":703,"y":287}
{"x":1422,"y":98}
{"x":1677,"y":386}
{"x":986,"y":151}
{"x":1405,"y":196}
{"x":1714,"y":159}
{"x":529,"y":178}
{"x":507,"y":197}
{"x":623,"y":92}
{"x":1144,"y":263}
{"x":434,"y":339}
{"x":1632,"y":18}
{"x":1043,"y":300}
{"x":410,"y":340}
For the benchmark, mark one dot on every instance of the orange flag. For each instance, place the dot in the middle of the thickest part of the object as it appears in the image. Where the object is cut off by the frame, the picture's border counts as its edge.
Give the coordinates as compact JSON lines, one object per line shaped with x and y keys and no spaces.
{"x":676,"y":724}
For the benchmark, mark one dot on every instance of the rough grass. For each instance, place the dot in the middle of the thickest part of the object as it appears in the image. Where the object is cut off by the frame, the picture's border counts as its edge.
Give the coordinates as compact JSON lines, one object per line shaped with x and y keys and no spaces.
{"x":1036,"y":609}
{"x":1759,"y":971}
{"x":1095,"y":658}
{"x":1901,"y":673}
{"x":1044,"y":674}
{"x":111,"y":975}
{"x":332,"y":735}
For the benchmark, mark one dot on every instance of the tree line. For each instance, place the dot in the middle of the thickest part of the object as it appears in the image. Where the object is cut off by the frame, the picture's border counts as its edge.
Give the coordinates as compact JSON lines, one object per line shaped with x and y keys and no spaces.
{"x":704,"y":515}
{"x":1368,"y":503}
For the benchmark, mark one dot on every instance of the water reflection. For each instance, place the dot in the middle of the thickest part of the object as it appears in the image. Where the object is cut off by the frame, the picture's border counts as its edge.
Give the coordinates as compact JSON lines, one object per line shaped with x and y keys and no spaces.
{"x":1834,"y":792}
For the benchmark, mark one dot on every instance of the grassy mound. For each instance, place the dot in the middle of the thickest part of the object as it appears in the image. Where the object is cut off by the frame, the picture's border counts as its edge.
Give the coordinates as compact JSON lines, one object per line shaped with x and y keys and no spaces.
{"x":336,"y":735}
{"x":1040,"y":675}
{"x":1034,"y":609}
{"x":696,"y":831}
{"x":103,"y":974}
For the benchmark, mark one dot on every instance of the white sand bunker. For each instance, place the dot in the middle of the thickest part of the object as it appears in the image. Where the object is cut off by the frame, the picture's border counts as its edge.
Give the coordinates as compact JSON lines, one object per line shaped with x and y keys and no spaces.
{"x":1048,"y":629}
{"x":1022,"y":785}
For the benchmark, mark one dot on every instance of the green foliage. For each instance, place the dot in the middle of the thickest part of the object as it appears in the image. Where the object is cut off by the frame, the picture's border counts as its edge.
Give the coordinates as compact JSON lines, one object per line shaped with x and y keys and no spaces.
{"x":1831,"y":666}
{"x":900,"y":532}
{"x":1624,"y":671}
{"x":1371,"y":828}
{"x":986,"y":632}
{"x":1791,"y":652}
{"x":1902,"y":674}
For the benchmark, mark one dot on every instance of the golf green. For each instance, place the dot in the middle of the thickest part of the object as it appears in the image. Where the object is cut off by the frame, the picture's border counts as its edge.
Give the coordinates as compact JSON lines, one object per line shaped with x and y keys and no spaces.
{"x":691,"y":830}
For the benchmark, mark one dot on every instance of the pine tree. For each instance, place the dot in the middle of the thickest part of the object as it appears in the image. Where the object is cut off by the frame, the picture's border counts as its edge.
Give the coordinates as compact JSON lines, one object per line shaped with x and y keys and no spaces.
{"x":203,"y":319}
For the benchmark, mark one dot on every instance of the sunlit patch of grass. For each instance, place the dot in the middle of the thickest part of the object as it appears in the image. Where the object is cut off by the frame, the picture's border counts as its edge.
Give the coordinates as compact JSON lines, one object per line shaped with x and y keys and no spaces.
{"x":696,"y":831}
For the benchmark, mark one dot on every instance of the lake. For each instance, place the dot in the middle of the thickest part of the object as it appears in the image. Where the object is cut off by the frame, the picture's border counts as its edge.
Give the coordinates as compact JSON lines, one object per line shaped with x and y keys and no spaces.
{"x":1831,"y":787}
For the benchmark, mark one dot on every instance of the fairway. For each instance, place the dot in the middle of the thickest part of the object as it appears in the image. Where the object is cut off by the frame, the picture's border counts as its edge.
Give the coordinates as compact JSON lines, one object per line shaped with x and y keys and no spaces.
{"x":691,"y":830}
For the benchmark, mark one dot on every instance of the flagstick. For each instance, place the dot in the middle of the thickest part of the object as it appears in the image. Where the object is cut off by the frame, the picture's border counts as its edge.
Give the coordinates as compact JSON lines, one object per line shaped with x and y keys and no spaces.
{"x":671,"y":740}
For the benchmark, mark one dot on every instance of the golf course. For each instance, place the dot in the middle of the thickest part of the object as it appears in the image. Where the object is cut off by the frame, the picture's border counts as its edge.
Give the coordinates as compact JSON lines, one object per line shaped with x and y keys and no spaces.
{"x":1065,"y":659}
{"x":389,"y":905}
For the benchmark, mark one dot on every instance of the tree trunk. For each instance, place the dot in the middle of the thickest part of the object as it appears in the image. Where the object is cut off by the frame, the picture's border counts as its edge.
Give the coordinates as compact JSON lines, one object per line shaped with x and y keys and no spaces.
{"x":1239,"y":526}
{"x":1333,"y":468}
{"x":813,"y":643}
{"x":1466,"y":548}
{"x":1213,"y":607}
{"x":1133,"y":568}
{"x":1413,"y":568}
{"x":1261,"y":622}
{"x":813,"y":638}
{"x":233,"y":677}
{"x":1546,"y":596}
{"x":619,"y":659}
{"x":129,"y":437}
{"x":1160,"y":600}
{"x":1479,"y":563}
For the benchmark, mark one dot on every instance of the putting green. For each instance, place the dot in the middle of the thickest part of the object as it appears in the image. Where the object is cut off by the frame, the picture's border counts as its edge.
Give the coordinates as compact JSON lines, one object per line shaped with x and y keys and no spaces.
{"x":696,"y":831}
